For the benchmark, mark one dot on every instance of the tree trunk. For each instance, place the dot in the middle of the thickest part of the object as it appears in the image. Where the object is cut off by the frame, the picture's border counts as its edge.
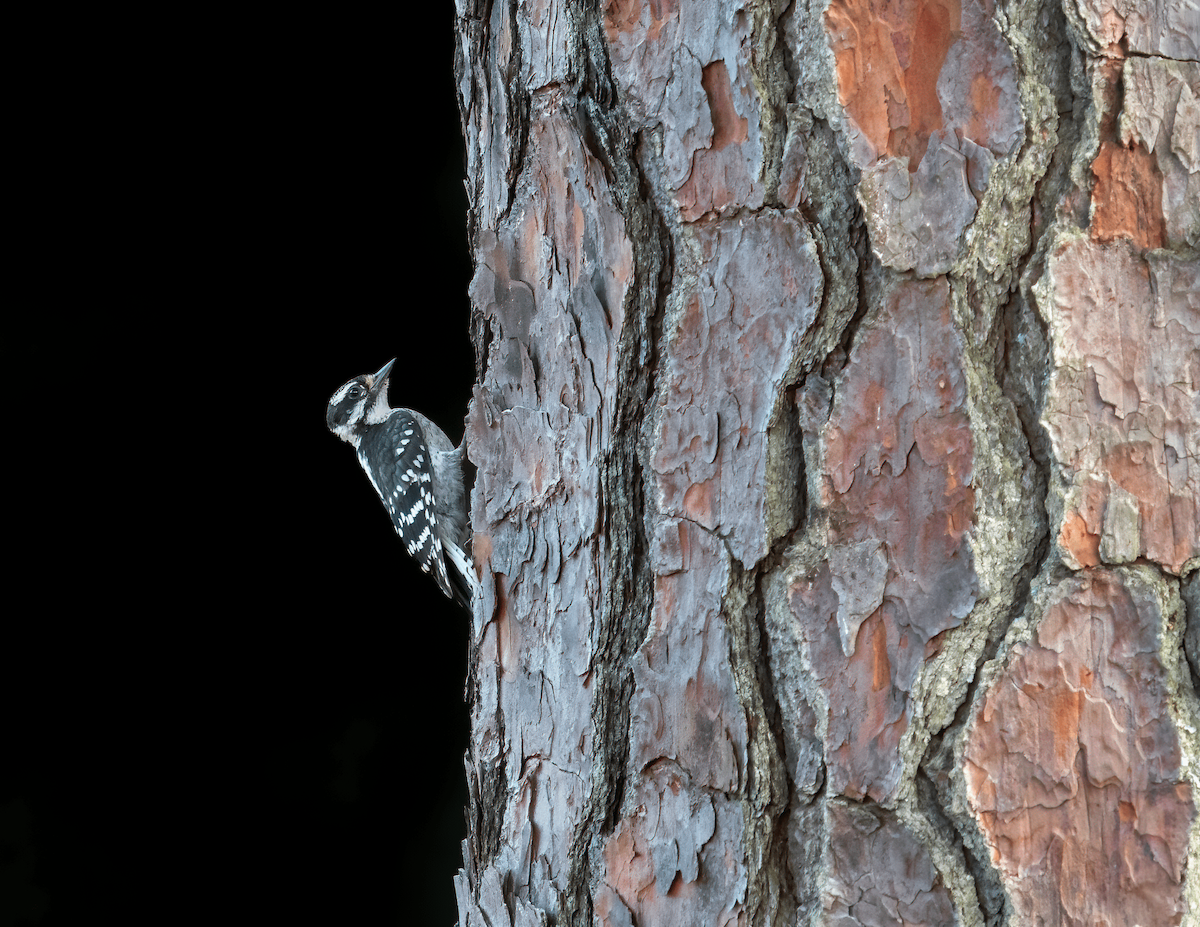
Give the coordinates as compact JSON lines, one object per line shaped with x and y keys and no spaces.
{"x":837,"y":436}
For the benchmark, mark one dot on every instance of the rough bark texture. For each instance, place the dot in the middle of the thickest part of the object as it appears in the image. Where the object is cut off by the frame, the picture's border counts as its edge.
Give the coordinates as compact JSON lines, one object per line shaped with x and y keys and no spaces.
{"x":838,"y":446}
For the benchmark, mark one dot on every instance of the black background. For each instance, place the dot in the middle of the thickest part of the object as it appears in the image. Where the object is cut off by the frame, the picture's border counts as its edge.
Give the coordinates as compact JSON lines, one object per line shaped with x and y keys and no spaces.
{"x":235,"y":694}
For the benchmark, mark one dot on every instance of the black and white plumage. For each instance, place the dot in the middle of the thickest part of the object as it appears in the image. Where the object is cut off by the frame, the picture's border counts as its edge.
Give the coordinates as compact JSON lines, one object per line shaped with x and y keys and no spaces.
{"x":417,"y":472}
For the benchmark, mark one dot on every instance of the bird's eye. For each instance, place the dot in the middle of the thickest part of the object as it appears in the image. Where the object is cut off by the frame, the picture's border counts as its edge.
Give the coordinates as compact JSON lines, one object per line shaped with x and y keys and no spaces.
{"x":355,"y":392}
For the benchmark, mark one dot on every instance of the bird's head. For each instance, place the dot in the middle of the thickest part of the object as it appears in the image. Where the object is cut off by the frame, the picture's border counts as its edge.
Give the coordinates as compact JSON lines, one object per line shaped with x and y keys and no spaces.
{"x":358,"y":404}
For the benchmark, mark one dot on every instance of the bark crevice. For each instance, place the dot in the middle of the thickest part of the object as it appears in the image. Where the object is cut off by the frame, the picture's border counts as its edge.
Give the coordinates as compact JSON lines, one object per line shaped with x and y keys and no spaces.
{"x":629,"y":591}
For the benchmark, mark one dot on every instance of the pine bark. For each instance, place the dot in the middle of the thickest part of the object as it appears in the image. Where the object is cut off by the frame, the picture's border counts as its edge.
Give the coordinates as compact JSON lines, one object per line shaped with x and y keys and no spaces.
{"x":837,"y":435}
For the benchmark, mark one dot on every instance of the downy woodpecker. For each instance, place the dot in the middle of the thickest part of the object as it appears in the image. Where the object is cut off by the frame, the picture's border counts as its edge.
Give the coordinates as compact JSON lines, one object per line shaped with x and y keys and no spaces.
{"x":417,"y":472}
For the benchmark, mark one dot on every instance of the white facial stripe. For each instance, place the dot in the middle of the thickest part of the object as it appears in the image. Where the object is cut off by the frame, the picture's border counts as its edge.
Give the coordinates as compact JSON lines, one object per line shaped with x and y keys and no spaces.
{"x":352,"y":417}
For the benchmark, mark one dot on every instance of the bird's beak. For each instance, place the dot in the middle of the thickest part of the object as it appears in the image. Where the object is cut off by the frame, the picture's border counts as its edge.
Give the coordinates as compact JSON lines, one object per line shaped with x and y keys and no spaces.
{"x":380,"y":378}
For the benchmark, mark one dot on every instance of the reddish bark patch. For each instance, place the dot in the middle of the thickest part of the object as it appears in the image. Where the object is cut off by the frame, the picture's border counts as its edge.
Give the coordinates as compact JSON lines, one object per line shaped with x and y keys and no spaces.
{"x":1127,"y":197}
{"x":626,"y":16}
{"x":1078,"y":541}
{"x":889,"y":57}
{"x":668,"y":861}
{"x":898,"y":455}
{"x":986,"y":99}
{"x":1121,"y":408}
{"x":728,"y":127}
{"x":1168,"y":520}
{"x":1073,"y":753}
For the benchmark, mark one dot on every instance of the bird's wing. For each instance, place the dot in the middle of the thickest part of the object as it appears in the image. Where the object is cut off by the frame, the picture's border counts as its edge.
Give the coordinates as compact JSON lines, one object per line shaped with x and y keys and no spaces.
{"x":406,"y":489}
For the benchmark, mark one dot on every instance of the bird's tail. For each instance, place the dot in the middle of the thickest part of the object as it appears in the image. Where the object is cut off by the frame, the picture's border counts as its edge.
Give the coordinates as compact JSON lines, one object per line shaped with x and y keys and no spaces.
{"x":461,"y":575}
